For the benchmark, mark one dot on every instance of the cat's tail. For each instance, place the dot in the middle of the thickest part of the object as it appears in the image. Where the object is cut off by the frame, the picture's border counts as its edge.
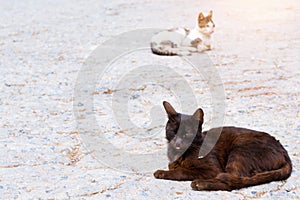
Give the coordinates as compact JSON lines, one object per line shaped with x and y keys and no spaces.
{"x":260,"y":178}
{"x":161,"y":52}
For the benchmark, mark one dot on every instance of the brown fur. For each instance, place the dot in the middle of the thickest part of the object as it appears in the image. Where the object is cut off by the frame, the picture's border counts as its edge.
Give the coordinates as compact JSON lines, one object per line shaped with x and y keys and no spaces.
{"x":240,"y":158}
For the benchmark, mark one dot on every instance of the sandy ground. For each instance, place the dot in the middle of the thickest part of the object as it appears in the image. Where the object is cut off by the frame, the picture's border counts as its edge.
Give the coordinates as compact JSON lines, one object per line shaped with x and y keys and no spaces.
{"x":43,"y":45}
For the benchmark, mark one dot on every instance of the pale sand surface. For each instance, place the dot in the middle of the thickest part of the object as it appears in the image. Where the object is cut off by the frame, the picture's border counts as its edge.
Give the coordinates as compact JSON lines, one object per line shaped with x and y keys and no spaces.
{"x":43,"y":45}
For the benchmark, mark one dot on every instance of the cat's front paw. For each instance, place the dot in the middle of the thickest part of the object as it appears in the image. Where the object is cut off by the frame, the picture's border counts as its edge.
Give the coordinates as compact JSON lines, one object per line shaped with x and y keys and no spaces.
{"x":207,"y":47}
{"x":160,"y":174}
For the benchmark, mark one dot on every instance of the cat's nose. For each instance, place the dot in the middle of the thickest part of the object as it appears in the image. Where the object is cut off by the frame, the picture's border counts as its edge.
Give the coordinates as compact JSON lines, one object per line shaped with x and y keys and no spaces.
{"x":178,"y":144}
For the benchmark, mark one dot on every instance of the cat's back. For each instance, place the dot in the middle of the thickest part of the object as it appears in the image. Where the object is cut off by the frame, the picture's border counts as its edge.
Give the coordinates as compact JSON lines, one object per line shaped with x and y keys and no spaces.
{"x":174,"y":35}
{"x":243,"y":138}
{"x":232,"y":131}
{"x":248,"y":145}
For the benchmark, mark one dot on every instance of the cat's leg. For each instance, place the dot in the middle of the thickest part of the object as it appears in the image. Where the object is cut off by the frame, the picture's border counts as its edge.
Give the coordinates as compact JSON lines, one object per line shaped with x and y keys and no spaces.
{"x":179,"y":174}
{"x":190,"y":49}
{"x":223,"y":181}
{"x":176,"y":51}
{"x":183,"y":51}
{"x":201,"y":47}
{"x":229,"y":180}
{"x":208,"y":47}
{"x":210,"y":185}
{"x":174,"y":165}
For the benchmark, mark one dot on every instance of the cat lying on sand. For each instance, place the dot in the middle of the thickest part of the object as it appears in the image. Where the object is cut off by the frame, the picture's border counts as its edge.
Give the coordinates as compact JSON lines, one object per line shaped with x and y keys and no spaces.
{"x":240,"y":158}
{"x":182,"y":41}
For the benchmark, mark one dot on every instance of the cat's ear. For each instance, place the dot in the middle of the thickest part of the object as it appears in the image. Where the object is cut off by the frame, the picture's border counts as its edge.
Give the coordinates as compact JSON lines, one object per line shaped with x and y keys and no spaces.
{"x":201,"y":17}
{"x":210,"y":14}
{"x":198,"y":115}
{"x":169,"y":109}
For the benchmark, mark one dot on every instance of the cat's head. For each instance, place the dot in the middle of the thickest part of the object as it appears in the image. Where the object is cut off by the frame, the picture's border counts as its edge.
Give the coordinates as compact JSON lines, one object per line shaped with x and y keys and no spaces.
{"x":206,"y":24}
{"x":181,"y":131}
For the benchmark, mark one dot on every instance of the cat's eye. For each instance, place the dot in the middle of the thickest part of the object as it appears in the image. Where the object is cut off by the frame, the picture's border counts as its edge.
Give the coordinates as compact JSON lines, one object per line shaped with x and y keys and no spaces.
{"x":170,"y":136}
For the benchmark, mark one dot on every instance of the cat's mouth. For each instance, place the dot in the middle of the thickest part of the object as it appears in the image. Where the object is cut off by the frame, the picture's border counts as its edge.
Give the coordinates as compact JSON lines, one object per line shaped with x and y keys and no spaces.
{"x":210,"y":32}
{"x":180,"y":148}
{"x":175,"y":147}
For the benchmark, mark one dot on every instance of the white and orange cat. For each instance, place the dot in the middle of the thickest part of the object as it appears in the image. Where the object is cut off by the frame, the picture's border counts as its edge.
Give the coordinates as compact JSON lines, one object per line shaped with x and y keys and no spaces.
{"x":183,"y":41}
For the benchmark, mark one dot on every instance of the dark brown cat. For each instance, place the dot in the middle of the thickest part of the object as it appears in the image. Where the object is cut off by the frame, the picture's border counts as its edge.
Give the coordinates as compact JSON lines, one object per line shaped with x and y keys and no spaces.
{"x":240,"y":158}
